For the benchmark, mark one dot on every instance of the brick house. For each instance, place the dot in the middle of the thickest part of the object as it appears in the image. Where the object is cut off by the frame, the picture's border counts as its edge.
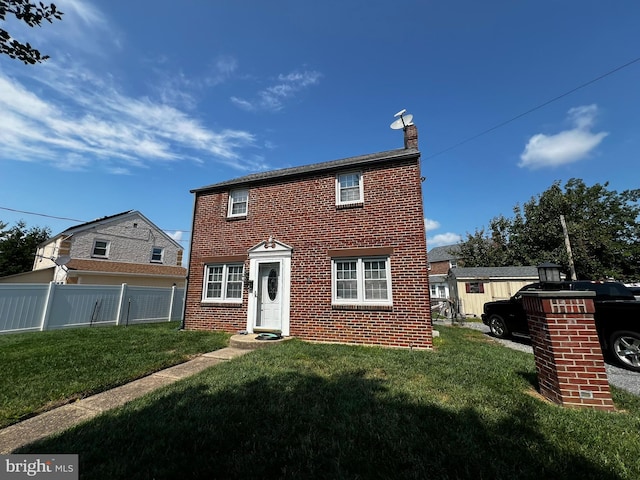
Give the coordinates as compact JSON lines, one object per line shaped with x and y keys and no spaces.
{"x":332,"y":252}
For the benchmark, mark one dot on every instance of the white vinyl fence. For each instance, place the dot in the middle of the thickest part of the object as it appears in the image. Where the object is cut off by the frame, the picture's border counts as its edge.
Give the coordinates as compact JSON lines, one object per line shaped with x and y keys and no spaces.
{"x":33,"y":307}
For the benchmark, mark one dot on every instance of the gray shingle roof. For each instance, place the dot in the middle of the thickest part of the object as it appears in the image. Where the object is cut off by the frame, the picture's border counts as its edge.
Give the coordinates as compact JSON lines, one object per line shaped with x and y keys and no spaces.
{"x":446,"y":252}
{"x":495,"y":272}
{"x":361,"y":160}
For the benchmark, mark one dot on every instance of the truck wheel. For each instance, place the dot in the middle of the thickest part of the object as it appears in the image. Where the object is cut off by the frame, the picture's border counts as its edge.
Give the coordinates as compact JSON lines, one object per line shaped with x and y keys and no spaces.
{"x":498,"y":327}
{"x":625,"y":347}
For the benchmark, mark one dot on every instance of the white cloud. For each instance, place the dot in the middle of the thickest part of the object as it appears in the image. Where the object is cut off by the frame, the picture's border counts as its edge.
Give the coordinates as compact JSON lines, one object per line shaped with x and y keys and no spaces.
{"x":431,"y":224}
{"x":443,"y":239}
{"x":177,"y":235}
{"x":180,"y":89}
{"x":76,"y":119}
{"x":272,"y":98}
{"x":567,"y":146}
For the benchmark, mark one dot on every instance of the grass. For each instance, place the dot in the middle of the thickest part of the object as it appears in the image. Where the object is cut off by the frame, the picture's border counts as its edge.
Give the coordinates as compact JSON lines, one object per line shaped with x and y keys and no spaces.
{"x":41,"y":370}
{"x":468,"y":409}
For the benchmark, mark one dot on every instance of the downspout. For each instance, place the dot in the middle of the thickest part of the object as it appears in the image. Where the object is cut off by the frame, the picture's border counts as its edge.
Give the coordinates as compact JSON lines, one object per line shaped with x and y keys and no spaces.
{"x":186,"y":280}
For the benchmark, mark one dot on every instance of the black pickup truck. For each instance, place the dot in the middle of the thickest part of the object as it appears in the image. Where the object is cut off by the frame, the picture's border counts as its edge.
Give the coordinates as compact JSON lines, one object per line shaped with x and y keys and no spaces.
{"x":617,"y":317}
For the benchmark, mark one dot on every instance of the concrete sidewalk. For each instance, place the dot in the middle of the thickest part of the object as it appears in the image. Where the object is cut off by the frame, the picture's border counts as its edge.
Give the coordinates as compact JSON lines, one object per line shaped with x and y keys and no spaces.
{"x":67,"y":416}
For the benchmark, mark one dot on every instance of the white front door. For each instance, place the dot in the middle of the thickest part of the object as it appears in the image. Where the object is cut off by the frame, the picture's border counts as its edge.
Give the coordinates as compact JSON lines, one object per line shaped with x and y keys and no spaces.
{"x":269,"y":311}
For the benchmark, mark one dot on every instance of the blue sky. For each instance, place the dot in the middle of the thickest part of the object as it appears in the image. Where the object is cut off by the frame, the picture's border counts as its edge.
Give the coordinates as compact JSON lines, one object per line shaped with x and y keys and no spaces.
{"x":143,"y":101}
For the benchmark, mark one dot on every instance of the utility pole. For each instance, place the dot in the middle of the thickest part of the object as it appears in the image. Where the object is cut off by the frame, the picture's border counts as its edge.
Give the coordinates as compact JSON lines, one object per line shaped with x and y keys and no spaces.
{"x":567,"y":243}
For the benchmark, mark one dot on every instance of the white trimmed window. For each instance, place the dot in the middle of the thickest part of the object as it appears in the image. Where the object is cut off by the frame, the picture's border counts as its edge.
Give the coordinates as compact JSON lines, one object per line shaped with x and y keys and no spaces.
{"x":223,"y":283}
{"x":238,"y":203}
{"x":361,"y":281}
{"x":349,"y":188}
{"x":100,"y":249}
{"x":157,"y":255}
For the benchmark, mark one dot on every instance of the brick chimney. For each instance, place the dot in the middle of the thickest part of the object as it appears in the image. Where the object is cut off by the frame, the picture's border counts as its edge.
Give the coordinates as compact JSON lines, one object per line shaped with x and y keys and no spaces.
{"x":410,"y":137}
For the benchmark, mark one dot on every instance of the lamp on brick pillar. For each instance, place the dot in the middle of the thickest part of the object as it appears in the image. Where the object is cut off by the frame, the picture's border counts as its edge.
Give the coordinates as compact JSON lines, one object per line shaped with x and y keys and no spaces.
{"x":549,"y":273}
{"x":566,"y":347}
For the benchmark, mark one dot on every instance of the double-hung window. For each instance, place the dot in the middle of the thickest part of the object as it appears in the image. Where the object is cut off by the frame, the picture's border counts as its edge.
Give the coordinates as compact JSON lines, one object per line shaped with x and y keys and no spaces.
{"x":361,"y":281}
{"x":223,"y":283}
{"x":349,"y":188}
{"x":157,"y":254}
{"x":100,"y":249}
{"x":238,"y":203}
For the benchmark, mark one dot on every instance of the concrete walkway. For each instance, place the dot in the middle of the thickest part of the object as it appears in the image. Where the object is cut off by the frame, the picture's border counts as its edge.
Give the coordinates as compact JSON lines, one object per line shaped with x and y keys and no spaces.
{"x":67,"y":416}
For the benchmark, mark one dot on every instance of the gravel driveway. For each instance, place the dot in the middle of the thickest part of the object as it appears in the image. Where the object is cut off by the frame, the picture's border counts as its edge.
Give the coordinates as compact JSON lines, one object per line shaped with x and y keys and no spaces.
{"x":621,"y":378}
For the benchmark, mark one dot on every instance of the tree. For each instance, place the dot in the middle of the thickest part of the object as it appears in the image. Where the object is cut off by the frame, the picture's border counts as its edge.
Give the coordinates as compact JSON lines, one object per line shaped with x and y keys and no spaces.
{"x":18,"y":247}
{"x":602,"y":225}
{"x":32,"y":14}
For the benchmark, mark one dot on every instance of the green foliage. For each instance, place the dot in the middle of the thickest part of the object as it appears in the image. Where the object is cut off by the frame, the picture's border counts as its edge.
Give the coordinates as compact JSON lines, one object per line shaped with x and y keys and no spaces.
{"x":602,"y":225}
{"x":32,"y":14}
{"x":18,"y":247}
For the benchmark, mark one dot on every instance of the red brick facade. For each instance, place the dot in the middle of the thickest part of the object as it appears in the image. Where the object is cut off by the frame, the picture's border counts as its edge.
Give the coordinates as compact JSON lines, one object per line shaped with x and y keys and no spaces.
{"x":298,"y":208}
{"x":569,"y":360}
{"x":440,"y":268}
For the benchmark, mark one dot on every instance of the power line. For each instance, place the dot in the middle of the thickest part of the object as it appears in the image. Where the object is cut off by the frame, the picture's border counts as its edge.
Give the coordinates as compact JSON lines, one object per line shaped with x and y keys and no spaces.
{"x":537,"y":107}
{"x":42,"y":215}
{"x":76,"y":220}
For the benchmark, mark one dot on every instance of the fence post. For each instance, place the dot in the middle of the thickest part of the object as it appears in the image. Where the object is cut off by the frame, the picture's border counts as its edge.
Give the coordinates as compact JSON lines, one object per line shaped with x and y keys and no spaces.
{"x":173,"y":296}
{"x":123,"y":294}
{"x":48,"y":301}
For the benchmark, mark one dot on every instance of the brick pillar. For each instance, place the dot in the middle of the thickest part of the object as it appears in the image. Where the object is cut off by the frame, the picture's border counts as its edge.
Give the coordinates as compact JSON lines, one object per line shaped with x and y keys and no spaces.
{"x":568,"y":356}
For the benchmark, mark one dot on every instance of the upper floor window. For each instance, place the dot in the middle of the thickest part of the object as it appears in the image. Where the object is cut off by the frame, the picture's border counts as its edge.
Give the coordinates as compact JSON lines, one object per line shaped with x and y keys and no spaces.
{"x":157,"y":254}
{"x":361,"y":281}
{"x":349,"y":188}
{"x":100,"y":248}
{"x":238,"y":203}
{"x":223,"y":283}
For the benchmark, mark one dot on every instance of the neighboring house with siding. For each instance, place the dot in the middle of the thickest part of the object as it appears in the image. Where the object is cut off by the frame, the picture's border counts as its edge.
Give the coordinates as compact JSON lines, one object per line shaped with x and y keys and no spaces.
{"x":122,"y":248}
{"x":332,"y":252}
{"x":472,"y":287}
{"x":441,"y":260}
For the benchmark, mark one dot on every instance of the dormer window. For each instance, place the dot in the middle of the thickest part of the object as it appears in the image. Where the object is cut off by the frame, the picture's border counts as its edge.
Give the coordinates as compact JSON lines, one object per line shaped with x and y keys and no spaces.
{"x":349,"y":189}
{"x":238,"y":203}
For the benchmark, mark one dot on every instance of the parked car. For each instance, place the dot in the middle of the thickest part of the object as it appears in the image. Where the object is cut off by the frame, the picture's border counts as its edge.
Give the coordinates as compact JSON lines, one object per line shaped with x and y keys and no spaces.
{"x":636,"y":292}
{"x":617,"y":317}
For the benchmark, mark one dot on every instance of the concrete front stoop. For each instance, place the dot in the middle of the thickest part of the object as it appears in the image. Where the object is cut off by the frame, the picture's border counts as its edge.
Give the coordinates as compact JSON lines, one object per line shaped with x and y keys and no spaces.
{"x":249,"y":341}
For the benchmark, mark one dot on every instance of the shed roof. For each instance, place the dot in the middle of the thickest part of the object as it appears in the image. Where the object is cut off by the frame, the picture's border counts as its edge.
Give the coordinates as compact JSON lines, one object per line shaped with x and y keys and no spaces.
{"x":494,"y":272}
{"x":361,"y":160}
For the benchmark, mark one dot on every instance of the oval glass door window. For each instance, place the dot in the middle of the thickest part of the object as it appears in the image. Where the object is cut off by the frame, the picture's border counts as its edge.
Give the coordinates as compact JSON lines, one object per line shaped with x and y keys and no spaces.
{"x":272,"y":284}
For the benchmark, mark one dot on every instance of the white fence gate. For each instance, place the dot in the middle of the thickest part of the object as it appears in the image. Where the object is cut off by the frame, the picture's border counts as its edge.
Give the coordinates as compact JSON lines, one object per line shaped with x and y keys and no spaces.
{"x":33,"y":307}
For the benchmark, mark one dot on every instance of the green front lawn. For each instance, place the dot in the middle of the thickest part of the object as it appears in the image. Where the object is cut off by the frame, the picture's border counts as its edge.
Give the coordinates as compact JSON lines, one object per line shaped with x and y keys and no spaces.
{"x":41,"y":370}
{"x":467,"y":410}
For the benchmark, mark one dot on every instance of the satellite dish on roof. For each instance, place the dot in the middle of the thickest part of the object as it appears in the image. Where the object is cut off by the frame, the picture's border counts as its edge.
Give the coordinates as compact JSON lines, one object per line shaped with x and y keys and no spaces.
{"x":402,"y":122}
{"x":62,"y":260}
